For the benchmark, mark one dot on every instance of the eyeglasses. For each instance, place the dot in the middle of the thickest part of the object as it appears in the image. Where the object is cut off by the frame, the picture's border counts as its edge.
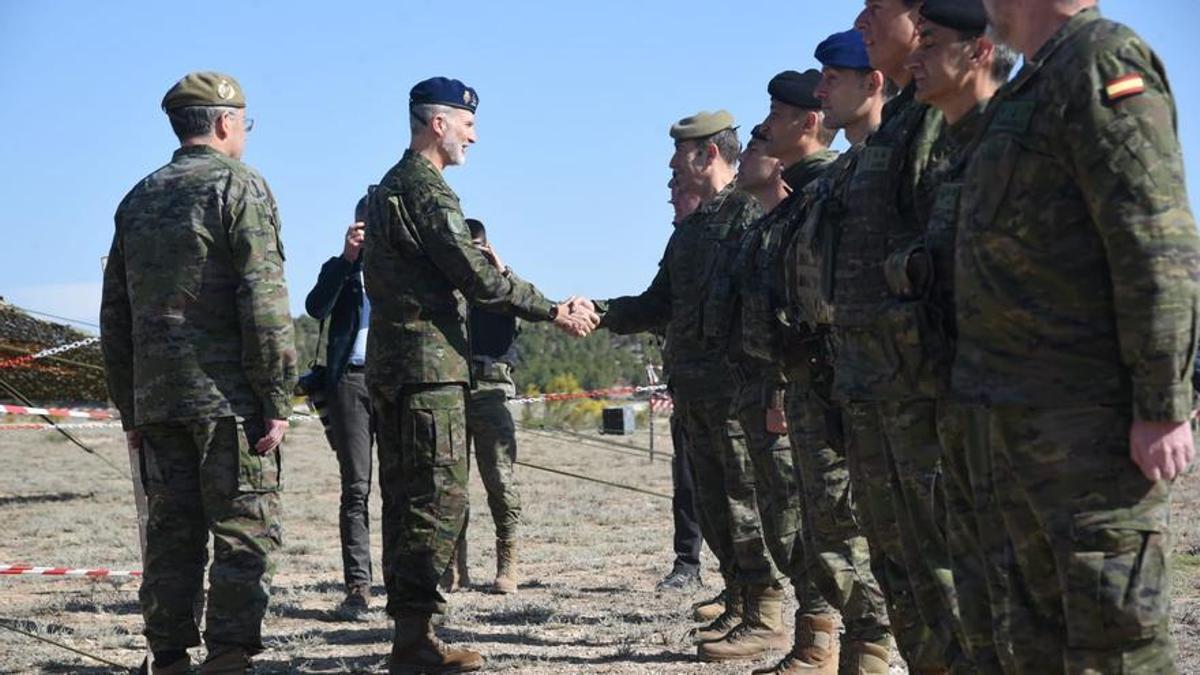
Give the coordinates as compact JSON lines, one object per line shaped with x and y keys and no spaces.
{"x":247,"y":121}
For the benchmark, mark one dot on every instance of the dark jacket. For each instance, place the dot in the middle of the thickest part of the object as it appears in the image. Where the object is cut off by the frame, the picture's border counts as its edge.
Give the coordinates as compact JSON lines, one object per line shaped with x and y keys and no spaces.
{"x":337,"y":298}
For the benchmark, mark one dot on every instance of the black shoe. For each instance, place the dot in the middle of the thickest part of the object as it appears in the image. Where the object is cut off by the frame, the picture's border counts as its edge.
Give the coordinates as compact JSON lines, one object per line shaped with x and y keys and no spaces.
{"x":681,"y":578}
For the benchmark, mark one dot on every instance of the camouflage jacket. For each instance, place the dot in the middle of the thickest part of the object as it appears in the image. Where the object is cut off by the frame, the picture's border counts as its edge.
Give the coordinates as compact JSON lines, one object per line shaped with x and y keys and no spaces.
{"x":1077,"y":254}
{"x":195,"y":321}
{"x":422,"y":273}
{"x":877,"y":326}
{"x":951,"y":152}
{"x":758,"y":332}
{"x":690,"y":296}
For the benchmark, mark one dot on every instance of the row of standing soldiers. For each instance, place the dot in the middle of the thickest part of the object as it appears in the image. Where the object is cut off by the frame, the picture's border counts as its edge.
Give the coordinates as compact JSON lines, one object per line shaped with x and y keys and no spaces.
{"x":941,"y":383}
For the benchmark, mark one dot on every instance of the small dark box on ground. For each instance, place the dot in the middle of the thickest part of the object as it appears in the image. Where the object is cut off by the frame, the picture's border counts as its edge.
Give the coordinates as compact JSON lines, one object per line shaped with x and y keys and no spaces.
{"x":618,"y":421}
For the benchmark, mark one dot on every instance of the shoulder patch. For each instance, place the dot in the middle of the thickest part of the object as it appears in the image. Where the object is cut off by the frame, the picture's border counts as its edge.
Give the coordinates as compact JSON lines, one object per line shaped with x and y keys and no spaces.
{"x":1130,"y":84}
{"x":454,"y":220}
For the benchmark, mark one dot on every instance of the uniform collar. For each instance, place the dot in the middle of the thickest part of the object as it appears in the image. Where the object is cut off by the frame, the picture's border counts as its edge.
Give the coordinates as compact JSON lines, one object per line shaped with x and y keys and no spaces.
{"x":802,"y":172}
{"x":196,"y":151}
{"x":1070,"y":28}
{"x":962,"y":131}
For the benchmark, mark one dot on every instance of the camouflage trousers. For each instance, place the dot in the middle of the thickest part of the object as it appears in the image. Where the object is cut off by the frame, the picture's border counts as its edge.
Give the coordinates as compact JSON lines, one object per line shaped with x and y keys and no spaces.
{"x":1077,"y":560}
{"x":971,"y":520}
{"x":839,"y":557}
{"x":493,"y":435}
{"x":725,"y":492}
{"x":895,"y":465}
{"x":203,"y":476}
{"x":422,"y":445}
{"x":776,"y":484}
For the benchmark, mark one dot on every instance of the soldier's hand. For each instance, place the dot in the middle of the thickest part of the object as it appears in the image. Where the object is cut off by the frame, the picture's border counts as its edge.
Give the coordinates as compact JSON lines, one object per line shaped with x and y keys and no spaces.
{"x":574,"y":321}
{"x":1162,"y":450}
{"x":274,"y":436}
{"x":355,"y":235}
{"x":493,"y":257}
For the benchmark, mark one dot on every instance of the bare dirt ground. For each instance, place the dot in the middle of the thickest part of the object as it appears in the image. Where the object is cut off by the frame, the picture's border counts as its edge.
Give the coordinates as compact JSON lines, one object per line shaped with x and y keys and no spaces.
{"x":590,"y":559}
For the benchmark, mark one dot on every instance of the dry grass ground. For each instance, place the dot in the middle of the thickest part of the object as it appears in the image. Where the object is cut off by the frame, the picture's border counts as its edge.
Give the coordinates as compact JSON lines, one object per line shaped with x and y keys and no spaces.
{"x":591,"y":557}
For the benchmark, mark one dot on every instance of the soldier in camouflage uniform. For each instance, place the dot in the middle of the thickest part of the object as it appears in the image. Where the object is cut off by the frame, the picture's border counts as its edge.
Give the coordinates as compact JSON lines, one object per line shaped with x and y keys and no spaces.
{"x":886,"y":353}
{"x":956,"y":69}
{"x":1076,"y":296}
{"x":198,"y":352}
{"x":852,"y":98}
{"x":758,"y":407}
{"x":490,"y":423}
{"x":679,"y":298}
{"x":421,"y":272}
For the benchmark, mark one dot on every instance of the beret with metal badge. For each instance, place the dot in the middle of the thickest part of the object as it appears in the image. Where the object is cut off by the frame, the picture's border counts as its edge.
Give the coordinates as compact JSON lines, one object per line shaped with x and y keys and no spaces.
{"x":701,"y":125}
{"x":443,"y":91}
{"x":204,"y":88}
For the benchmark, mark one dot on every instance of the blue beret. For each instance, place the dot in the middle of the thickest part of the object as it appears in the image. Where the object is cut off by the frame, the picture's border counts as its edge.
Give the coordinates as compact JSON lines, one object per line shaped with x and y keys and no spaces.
{"x":844,"y":50}
{"x":444,"y":91}
{"x":964,"y":15}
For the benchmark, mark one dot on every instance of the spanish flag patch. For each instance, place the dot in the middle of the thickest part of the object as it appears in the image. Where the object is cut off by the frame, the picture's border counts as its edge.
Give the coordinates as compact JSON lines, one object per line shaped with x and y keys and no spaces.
{"x":1124,"y":87}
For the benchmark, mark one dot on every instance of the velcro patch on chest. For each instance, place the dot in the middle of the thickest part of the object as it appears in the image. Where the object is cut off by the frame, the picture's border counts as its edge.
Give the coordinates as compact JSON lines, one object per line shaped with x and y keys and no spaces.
{"x":1125,"y":86}
{"x":875,"y":158}
{"x":1013,"y":116}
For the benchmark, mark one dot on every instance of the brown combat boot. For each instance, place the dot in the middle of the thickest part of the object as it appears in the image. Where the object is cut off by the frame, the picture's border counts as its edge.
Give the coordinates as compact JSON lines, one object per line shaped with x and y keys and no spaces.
{"x":708,"y":610}
{"x":506,"y":566}
{"x":865,"y":658}
{"x":815,"y":650}
{"x":415,"y":649}
{"x":761,"y":630}
{"x":727,"y":621}
{"x":226,"y":660}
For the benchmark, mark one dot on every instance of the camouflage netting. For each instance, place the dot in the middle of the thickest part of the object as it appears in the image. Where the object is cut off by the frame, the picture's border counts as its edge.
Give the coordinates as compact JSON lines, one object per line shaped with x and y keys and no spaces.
{"x":75,"y":377}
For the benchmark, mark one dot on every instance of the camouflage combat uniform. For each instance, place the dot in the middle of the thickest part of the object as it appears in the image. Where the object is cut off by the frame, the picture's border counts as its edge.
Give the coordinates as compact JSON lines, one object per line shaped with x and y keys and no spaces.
{"x":421,"y":271}
{"x":750,"y":333}
{"x":197,"y":339}
{"x":885,"y":362}
{"x":1076,"y":296}
{"x":490,"y":423}
{"x":965,"y":523}
{"x":837,"y":551}
{"x":678,"y":298}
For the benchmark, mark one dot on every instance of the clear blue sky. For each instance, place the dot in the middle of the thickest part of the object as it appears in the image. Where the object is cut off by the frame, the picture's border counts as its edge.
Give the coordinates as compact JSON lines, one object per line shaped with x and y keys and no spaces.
{"x":569,"y":172}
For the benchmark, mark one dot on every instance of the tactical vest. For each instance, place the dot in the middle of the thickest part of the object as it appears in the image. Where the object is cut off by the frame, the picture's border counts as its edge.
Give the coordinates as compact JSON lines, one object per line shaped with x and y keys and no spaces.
{"x":759,"y":332}
{"x":939,"y":242}
{"x":808,"y":262}
{"x":873,"y":226}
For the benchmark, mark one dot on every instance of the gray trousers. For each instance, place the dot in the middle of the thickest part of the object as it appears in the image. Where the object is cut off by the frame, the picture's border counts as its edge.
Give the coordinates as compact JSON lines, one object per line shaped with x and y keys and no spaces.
{"x":351,"y":432}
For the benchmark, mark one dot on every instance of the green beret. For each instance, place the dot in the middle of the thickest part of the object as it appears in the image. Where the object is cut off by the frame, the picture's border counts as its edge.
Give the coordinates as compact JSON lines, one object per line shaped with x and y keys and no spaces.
{"x":701,"y":125}
{"x":204,"y":89}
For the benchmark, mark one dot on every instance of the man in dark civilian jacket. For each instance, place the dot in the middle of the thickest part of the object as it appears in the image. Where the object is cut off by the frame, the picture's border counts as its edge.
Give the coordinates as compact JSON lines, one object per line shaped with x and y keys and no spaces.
{"x":338,"y":299}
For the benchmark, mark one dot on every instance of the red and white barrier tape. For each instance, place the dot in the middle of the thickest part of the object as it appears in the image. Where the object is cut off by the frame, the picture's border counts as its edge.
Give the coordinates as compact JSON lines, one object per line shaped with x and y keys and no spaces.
{"x":53,"y":351}
{"x":58,"y":412}
{"x":38,"y":426}
{"x":16,"y":570}
{"x":598,"y":393}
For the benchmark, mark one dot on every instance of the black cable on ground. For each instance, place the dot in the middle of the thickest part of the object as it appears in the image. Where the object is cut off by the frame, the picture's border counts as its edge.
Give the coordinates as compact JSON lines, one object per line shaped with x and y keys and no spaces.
{"x":4,"y":623}
{"x":594,"y":480}
{"x":69,"y":436}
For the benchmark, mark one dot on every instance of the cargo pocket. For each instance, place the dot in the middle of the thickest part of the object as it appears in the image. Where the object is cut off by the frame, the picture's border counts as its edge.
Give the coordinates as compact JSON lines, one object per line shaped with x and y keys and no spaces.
{"x":257,"y":473}
{"x":917,"y":348}
{"x":436,"y":430}
{"x":1116,"y":584}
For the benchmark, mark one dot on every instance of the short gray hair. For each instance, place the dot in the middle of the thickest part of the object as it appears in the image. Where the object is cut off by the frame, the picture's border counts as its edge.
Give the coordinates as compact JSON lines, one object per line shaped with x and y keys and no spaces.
{"x":195,"y":121}
{"x":421,"y":114}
